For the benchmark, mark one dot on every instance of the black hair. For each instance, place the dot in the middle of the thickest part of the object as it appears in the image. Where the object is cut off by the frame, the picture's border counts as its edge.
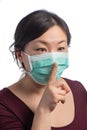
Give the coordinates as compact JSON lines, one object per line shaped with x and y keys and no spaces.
{"x":34,"y":25}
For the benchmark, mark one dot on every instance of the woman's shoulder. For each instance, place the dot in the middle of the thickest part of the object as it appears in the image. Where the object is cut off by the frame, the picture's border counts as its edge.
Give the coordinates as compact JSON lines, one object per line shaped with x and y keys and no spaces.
{"x":78,"y":90}
{"x":9,"y":91}
{"x":75,"y":84}
{"x":6,"y":90}
{"x":5,"y":96}
{"x":3,"y":92}
{"x":11,"y":105}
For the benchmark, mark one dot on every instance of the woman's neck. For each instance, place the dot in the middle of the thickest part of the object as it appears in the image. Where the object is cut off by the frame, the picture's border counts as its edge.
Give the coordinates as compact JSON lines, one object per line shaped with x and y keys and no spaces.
{"x":29,"y":85}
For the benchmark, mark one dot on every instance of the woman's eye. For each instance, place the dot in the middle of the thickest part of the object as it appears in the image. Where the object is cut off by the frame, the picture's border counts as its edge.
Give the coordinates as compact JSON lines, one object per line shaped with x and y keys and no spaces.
{"x":61,"y":49}
{"x":41,"y":49}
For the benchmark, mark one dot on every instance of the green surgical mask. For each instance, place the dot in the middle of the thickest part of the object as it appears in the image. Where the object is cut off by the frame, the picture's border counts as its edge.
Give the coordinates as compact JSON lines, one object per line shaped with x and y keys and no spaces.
{"x":41,"y":65}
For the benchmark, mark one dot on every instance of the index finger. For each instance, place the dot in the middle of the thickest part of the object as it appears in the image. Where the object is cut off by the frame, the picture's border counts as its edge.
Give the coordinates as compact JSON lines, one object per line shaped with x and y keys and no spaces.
{"x":53,"y":73}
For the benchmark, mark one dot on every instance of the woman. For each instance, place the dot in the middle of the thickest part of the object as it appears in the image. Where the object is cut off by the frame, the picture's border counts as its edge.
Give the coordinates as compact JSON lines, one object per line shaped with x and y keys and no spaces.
{"x":42,"y":100}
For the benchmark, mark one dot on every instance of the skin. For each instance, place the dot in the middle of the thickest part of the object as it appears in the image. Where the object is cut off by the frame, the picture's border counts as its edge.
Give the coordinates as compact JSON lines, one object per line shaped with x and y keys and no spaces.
{"x":53,"y":104}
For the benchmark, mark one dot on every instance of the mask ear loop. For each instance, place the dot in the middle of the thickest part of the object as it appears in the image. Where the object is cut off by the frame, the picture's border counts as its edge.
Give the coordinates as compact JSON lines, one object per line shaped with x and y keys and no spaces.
{"x":29,"y":61}
{"x":30,"y":65}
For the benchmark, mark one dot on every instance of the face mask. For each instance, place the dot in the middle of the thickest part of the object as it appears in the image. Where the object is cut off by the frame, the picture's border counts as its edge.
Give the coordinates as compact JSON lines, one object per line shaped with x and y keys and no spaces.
{"x":41,"y":65}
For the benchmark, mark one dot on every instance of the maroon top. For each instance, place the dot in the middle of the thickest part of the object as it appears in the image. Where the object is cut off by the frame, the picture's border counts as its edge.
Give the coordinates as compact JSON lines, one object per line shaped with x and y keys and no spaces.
{"x":15,"y":115}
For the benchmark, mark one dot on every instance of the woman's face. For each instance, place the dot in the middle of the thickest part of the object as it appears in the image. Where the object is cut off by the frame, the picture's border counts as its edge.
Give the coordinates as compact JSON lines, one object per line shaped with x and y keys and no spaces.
{"x":53,"y":40}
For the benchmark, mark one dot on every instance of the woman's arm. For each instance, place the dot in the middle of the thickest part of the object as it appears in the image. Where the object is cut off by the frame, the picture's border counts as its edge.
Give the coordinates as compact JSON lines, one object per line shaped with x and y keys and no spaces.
{"x":55,"y":91}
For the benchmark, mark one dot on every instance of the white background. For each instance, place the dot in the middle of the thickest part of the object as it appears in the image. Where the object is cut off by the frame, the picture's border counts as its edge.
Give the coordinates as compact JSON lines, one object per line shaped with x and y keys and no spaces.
{"x":74,"y":12}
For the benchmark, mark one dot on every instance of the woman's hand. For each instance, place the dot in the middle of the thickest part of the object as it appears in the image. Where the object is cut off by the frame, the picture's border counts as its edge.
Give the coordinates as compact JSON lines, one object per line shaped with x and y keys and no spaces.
{"x":55,"y":92}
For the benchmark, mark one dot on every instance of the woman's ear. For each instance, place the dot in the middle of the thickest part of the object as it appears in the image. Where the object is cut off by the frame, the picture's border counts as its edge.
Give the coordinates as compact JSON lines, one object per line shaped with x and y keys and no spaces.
{"x":18,"y":55}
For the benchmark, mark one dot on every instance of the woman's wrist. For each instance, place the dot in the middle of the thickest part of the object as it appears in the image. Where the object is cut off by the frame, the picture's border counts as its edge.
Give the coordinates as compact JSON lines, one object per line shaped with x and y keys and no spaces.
{"x":42,"y":120}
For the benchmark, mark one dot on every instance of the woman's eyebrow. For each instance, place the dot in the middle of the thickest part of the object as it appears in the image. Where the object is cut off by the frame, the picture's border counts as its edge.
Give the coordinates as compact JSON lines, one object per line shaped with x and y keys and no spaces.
{"x":62,"y":41}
